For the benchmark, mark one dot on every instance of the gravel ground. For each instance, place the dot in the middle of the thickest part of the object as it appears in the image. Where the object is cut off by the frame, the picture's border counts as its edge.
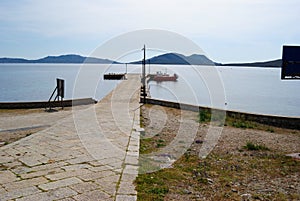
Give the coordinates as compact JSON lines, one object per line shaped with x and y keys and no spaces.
{"x":255,"y":180}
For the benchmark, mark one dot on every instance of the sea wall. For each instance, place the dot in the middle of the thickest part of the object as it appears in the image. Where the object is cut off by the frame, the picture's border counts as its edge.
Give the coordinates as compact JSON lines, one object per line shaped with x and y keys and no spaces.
{"x":31,"y":105}
{"x":277,"y":121}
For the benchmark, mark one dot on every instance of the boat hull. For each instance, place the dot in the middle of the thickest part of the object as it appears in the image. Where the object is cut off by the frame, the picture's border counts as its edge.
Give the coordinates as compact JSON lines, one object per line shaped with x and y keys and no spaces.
{"x":165,"y":78}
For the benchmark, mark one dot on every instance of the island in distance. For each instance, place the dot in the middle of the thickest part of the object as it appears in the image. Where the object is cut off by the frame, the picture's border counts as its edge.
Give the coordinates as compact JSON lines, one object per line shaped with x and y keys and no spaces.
{"x":178,"y":59}
{"x":167,"y":59}
{"x":69,"y":58}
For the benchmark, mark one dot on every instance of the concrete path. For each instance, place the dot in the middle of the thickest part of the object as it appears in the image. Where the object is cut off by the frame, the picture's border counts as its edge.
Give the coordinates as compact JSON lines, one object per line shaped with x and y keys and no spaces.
{"x":91,"y":155}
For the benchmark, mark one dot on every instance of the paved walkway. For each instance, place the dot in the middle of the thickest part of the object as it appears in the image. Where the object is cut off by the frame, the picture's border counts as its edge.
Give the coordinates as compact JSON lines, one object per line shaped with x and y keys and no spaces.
{"x":91,"y":155}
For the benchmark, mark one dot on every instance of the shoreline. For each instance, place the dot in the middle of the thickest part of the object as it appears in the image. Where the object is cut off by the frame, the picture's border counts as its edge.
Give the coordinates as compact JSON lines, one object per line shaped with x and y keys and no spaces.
{"x":271,"y":120}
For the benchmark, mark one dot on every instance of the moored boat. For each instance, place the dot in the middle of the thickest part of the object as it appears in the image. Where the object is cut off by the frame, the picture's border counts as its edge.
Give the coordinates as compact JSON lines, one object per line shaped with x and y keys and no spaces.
{"x":160,"y":77}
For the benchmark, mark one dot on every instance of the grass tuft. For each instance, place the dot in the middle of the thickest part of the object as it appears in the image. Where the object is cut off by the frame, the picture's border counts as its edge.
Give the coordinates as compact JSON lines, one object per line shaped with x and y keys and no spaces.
{"x":242,"y":124}
{"x":204,"y":116}
{"x":255,"y":147}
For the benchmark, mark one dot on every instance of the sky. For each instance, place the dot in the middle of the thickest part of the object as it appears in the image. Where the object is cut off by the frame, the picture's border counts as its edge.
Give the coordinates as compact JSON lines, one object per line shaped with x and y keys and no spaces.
{"x":226,"y":30}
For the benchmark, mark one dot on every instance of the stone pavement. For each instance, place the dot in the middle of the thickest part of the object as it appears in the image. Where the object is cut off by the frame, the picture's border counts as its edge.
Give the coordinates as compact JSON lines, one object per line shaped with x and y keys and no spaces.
{"x":91,"y":155}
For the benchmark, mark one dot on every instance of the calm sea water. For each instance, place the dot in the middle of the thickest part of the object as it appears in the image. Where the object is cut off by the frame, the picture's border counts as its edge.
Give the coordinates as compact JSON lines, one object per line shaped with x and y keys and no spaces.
{"x":36,"y":82}
{"x":254,"y":90}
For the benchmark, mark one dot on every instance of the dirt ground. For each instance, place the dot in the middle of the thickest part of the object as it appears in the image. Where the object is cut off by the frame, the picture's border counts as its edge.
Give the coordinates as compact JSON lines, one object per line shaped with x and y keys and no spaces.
{"x":231,"y":171}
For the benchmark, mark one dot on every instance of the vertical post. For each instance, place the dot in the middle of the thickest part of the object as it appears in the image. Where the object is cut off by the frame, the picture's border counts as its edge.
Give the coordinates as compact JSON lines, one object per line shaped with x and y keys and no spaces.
{"x":143,"y":90}
{"x":62,"y":102}
{"x":149,"y":68}
{"x":144,"y":67}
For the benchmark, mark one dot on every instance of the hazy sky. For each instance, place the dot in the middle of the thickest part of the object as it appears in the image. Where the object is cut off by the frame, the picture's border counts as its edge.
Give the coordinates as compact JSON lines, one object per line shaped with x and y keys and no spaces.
{"x":227,"y":30}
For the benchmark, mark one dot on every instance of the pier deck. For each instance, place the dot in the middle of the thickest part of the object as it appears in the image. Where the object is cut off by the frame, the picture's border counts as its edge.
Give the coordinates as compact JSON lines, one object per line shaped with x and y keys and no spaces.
{"x":89,"y":155}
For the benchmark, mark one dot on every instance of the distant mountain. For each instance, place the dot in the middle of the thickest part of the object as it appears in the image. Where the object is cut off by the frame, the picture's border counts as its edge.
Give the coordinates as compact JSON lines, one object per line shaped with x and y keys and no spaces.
{"x":169,"y":58}
{"x":70,"y":58}
{"x":273,"y":63}
{"x":178,"y":59}
{"x":13,"y":60}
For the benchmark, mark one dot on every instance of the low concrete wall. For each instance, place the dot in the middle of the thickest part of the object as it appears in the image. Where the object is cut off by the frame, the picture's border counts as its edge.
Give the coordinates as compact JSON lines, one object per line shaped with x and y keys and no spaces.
{"x":277,"y":121}
{"x":30,"y":105}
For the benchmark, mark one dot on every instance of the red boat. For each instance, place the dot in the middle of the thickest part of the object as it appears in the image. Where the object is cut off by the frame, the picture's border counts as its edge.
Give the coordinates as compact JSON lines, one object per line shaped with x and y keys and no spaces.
{"x":160,"y":77}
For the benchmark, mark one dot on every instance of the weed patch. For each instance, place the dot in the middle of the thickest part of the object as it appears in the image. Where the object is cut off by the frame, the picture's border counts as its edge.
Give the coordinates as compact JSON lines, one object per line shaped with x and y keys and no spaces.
{"x":204,"y":116}
{"x":255,"y":147}
{"x":242,"y":124}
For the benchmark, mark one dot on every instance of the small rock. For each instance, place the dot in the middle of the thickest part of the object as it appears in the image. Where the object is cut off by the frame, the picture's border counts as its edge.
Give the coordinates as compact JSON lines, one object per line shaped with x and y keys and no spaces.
{"x":199,"y":142}
{"x":210,"y":181}
{"x":186,"y":191}
{"x":294,"y":155}
{"x":246,"y":197}
{"x":292,"y":186}
{"x":234,"y":190}
{"x":197,"y":196}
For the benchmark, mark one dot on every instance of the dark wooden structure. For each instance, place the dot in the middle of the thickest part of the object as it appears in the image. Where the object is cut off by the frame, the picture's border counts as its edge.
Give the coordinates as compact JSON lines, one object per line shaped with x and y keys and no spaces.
{"x":114,"y":76}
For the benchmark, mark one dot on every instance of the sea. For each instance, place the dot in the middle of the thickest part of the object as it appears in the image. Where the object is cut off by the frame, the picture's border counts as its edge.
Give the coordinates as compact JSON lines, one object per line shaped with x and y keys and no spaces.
{"x":247,"y":89}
